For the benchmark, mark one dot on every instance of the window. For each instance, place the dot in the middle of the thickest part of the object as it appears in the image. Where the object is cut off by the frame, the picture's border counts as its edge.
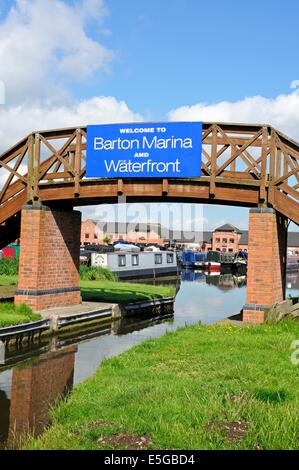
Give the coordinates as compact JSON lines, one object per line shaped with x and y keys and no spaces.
{"x":230,"y":250}
{"x":169,"y":257}
{"x":217,"y":240}
{"x":231,"y":240}
{"x":121,"y":260}
{"x":86,"y":236}
{"x":95,"y":236}
{"x":158,"y":258}
{"x":217,"y":249}
{"x":224,"y":240}
{"x":135,"y":260}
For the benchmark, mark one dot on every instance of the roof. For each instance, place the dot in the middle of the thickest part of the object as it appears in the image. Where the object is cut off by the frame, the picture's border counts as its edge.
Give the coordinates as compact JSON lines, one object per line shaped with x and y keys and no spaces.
{"x":293,"y":239}
{"x":189,"y":236}
{"x":227,"y":228}
{"x":244,"y":238}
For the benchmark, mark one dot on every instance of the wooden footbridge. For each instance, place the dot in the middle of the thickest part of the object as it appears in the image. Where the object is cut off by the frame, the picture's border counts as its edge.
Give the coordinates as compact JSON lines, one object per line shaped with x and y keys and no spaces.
{"x":246,"y":165}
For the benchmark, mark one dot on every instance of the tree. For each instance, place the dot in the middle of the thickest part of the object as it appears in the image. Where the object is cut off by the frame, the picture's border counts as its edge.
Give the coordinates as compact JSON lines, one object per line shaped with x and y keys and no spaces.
{"x":107,"y":238}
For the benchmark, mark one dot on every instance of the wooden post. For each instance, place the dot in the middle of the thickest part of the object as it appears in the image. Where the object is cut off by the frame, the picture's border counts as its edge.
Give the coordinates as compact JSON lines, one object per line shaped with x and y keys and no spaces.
{"x":30,"y":175}
{"x":213,"y":161}
{"x":272,"y":167}
{"x":36,"y":167}
{"x":264,"y":164}
{"x":78,"y":156}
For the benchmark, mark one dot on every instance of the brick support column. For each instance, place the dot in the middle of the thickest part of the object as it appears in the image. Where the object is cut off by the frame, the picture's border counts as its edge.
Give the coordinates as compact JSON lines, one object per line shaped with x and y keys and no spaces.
{"x":49,"y":258}
{"x":267,"y":243}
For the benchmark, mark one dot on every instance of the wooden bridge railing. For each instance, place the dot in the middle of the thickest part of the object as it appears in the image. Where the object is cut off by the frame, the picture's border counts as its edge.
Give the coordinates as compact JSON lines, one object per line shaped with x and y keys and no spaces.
{"x":232,"y":154}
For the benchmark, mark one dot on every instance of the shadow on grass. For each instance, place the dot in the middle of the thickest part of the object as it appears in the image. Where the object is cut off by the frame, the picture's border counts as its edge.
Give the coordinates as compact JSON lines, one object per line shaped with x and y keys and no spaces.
{"x":269,"y":396}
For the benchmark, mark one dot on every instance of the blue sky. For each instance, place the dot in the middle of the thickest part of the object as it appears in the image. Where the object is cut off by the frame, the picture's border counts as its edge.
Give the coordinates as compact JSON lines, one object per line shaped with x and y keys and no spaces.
{"x":174,"y":52}
{"x":151,"y":58}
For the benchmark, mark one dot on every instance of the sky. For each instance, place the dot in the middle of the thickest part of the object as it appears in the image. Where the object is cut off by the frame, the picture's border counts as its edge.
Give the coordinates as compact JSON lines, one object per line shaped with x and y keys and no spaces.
{"x":77,"y":62}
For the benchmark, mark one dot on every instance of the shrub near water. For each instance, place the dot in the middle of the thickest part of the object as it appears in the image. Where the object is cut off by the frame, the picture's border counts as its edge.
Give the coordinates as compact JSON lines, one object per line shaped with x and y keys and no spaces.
{"x":94,"y":273}
{"x":9,"y":266}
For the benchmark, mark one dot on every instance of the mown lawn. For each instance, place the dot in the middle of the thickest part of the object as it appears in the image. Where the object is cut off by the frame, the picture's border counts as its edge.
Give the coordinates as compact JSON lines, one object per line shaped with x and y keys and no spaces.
{"x":103,"y":290}
{"x":6,"y":280}
{"x":201,"y":387}
{"x":12,"y":315}
{"x":122,"y":292}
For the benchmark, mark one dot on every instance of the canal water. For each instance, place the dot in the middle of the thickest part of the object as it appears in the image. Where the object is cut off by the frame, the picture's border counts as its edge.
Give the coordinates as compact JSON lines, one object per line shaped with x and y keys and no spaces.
{"x":32,"y":378}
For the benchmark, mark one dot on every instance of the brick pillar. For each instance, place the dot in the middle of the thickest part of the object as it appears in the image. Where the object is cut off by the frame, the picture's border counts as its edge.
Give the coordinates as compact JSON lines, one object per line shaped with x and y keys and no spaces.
{"x":266,"y":275}
{"x":49,"y":258}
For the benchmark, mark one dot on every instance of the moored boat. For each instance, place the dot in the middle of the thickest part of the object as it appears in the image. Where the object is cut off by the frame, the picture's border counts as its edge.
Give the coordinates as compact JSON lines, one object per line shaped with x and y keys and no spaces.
{"x":292,"y":263}
{"x":193,"y":259}
{"x":217,"y":260}
{"x":128,"y":263}
{"x":240,"y":261}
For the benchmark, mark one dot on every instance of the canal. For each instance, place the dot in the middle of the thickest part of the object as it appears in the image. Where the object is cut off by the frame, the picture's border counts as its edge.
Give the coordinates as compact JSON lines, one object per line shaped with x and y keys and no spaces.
{"x":32,"y":379}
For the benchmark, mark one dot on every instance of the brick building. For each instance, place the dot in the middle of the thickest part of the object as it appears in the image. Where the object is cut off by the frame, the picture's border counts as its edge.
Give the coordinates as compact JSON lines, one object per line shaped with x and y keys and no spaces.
{"x":228,"y":239}
{"x":94,"y":232}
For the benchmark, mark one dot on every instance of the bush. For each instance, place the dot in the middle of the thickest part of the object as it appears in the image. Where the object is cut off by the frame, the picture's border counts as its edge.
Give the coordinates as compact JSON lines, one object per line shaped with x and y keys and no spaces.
{"x":93,"y":273}
{"x":9,"y":266}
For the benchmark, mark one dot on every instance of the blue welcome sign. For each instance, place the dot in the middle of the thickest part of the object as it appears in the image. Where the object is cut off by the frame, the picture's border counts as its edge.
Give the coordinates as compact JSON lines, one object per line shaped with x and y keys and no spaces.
{"x":162,"y":150}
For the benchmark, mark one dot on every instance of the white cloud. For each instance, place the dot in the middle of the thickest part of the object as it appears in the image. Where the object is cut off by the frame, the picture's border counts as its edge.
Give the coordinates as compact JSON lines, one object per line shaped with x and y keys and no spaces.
{"x":282,"y":112}
{"x":294,"y":84}
{"x":44,"y":42}
{"x":18,"y":121}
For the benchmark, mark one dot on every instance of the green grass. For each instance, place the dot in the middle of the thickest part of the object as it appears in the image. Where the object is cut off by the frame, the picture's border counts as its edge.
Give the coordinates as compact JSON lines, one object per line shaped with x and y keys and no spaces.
{"x":12,"y":315}
{"x":8,"y":280}
{"x":122,"y":292}
{"x":183,"y":391}
{"x":101,"y":285}
{"x":9,"y":266}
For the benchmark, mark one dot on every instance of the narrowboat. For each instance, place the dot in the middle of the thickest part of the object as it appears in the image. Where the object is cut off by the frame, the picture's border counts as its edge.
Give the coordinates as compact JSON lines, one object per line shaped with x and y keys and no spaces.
{"x":292,"y":263}
{"x":240,"y":261}
{"x":193,"y":259}
{"x":133,"y":264}
{"x":217,"y":259}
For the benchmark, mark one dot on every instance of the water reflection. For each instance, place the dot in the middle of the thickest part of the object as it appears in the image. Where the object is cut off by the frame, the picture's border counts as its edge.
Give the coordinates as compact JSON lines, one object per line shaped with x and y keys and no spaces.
{"x":35,"y":387}
{"x":292,"y":283}
{"x":4,"y":416}
{"x":37,"y":375}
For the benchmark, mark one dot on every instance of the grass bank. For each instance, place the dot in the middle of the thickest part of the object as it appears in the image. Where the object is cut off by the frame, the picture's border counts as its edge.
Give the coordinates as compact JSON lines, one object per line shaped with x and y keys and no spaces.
{"x":201,"y":387}
{"x":8,"y":280}
{"x":12,"y":315}
{"x":122,"y":292}
{"x":97,"y":284}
